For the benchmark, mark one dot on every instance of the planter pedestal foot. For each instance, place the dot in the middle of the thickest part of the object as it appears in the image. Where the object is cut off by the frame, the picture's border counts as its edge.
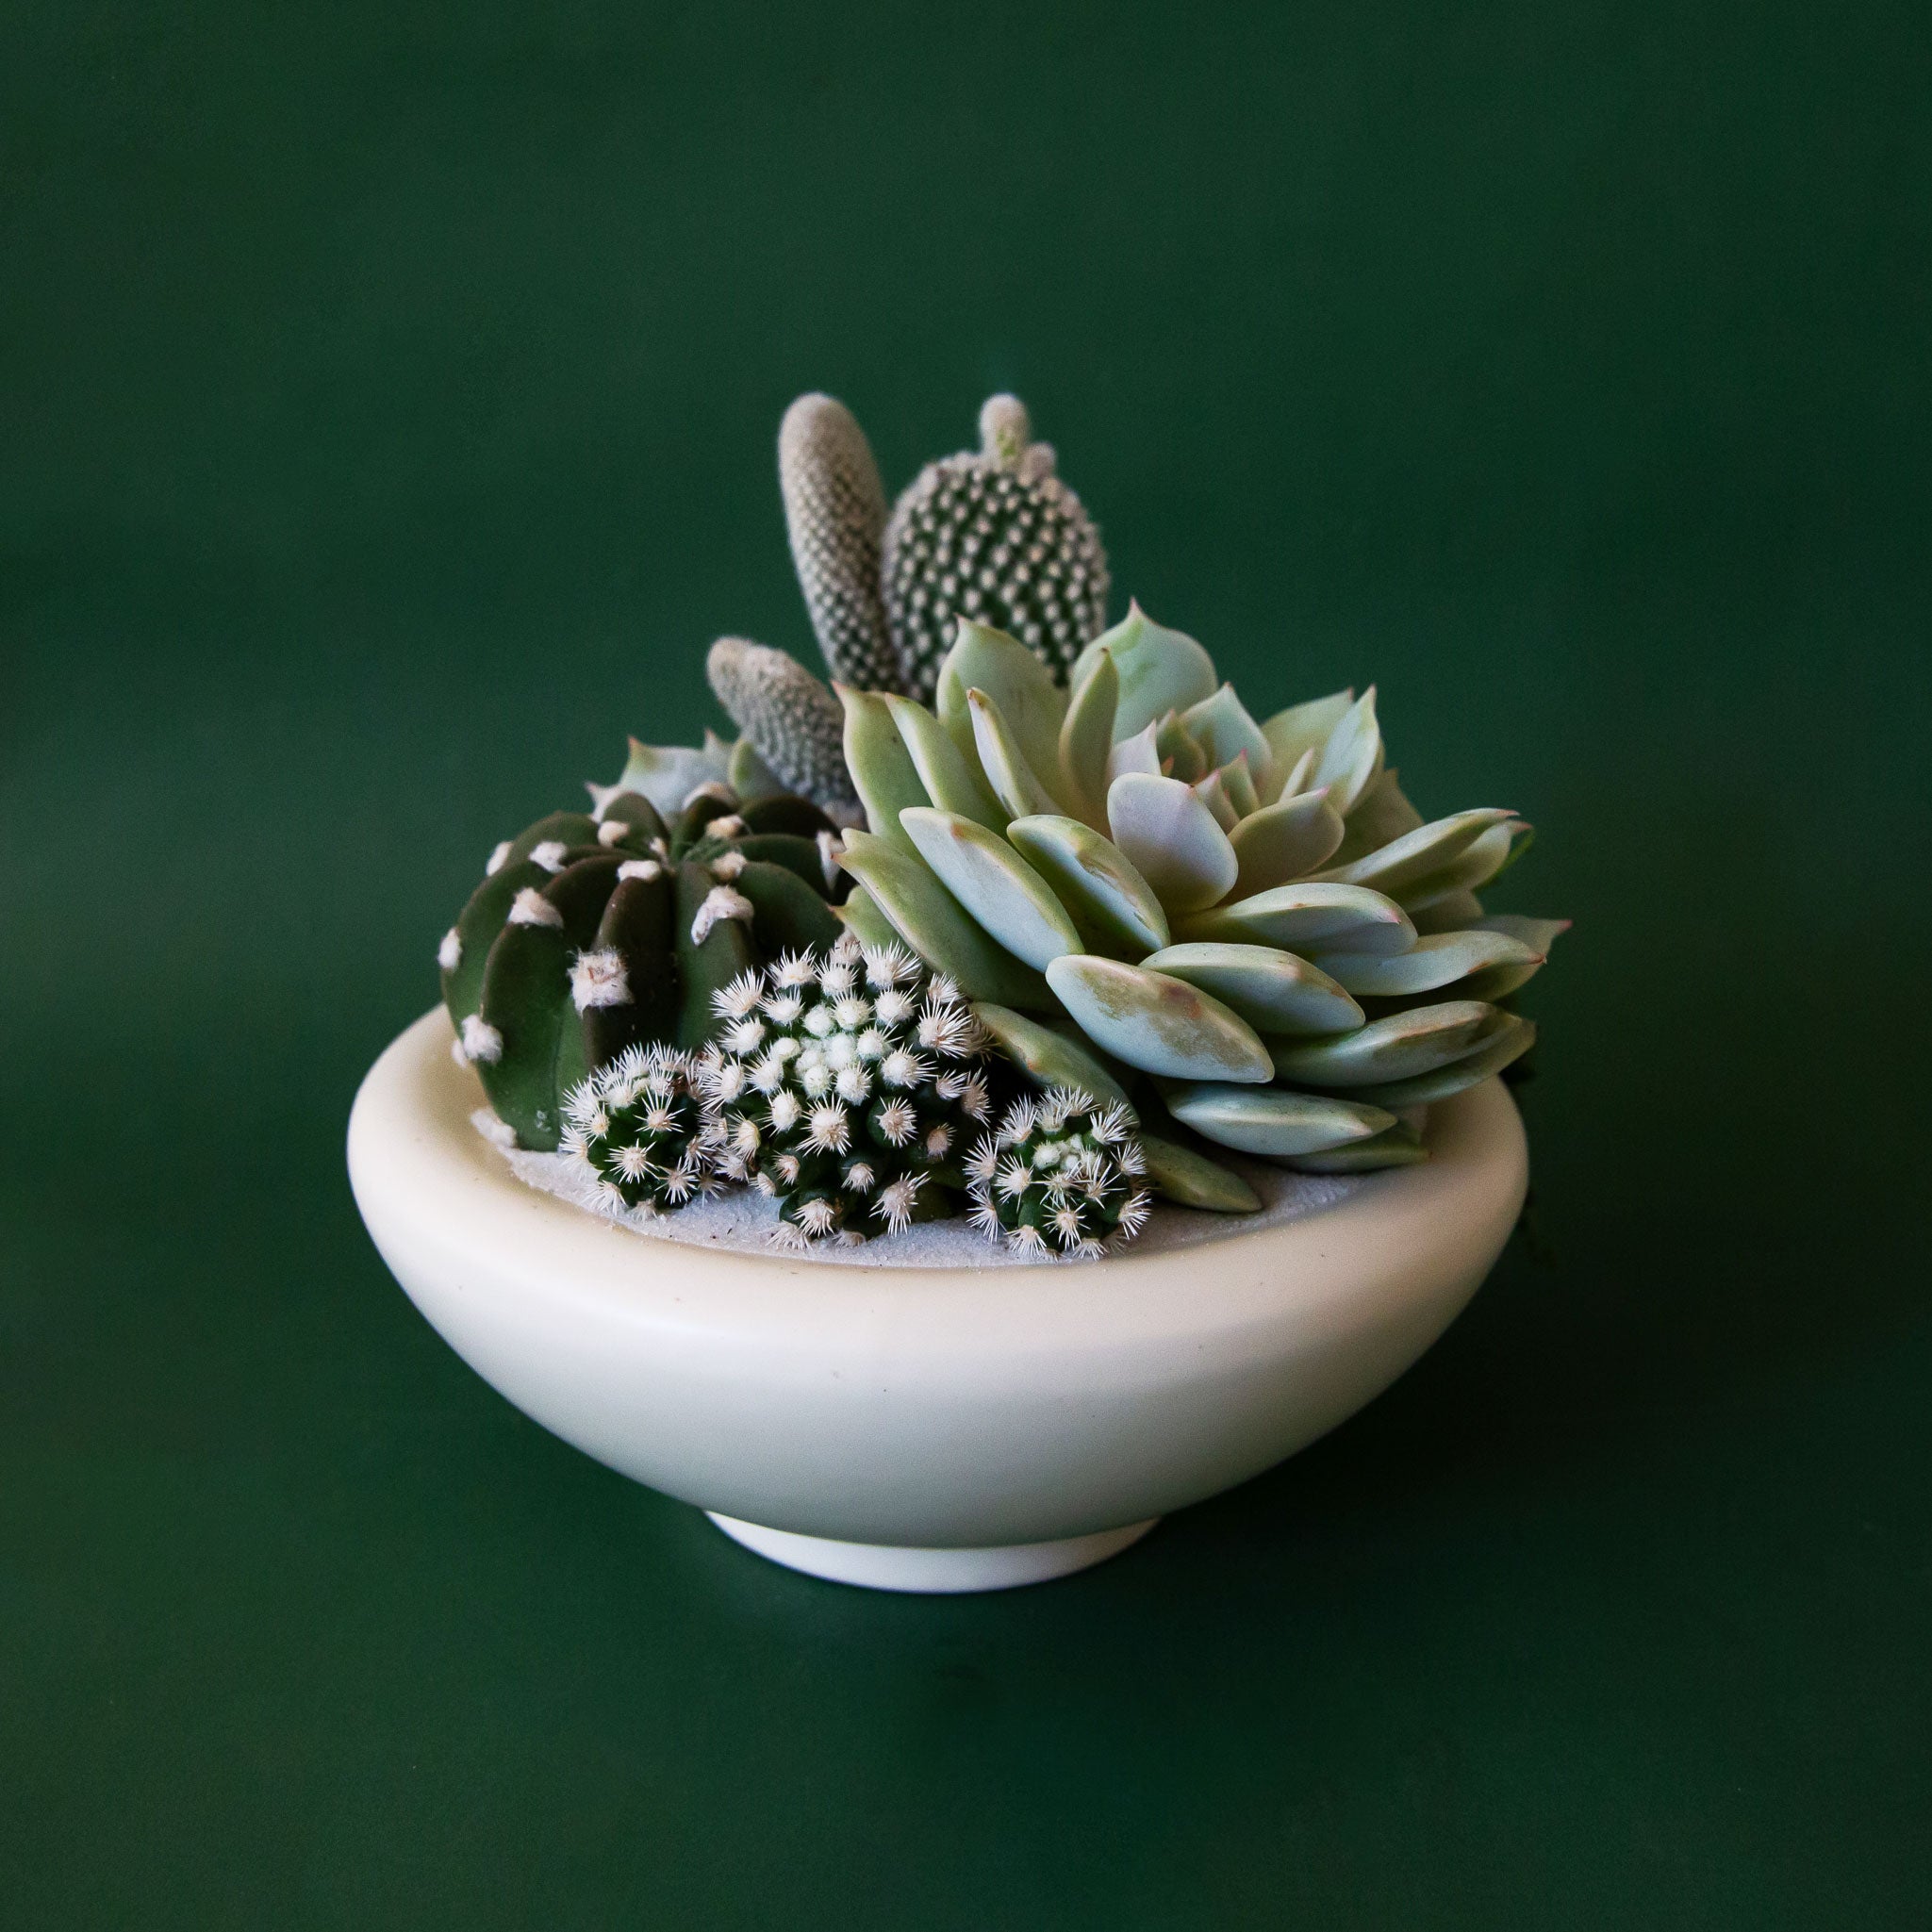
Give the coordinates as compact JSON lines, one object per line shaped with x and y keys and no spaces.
{"x":932,"y":1572}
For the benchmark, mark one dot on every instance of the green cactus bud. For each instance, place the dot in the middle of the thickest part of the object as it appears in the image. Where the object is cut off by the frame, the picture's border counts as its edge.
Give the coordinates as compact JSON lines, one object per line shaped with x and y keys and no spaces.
{"x":1061,"y":1177}
{"x":793,"y":722}
{"x":994,"y":537}
{"x":834,"y":513}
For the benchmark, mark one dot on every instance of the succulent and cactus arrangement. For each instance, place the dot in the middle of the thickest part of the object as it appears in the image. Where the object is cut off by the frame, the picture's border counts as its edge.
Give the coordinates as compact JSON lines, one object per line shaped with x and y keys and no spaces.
{"x":1020,"y":917}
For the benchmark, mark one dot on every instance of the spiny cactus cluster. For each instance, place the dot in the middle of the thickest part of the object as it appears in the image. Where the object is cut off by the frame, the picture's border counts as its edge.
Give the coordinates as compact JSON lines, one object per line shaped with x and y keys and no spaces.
{"x":844,"y":1086}
{"x":591,"y":934}
{"x":990,"y":534}
{"x":640,"y":1123}
{"x":1062,"y":1176}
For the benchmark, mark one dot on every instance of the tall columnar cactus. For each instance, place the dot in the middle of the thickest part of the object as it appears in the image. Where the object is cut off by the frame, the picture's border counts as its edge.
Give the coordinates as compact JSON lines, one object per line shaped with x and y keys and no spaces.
{"x":992,"y":536}
{"x":834,"y":512}
{"x":1248,"y":927}
{"x":594,"y":934}
{"x":639,"y":1125}
{"x":845,"y":1084}
{"x":1062,"y":1176}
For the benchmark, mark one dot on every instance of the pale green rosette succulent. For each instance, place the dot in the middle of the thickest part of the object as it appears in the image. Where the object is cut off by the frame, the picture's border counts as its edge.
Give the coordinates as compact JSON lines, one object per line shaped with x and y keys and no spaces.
{"x":1152,"y":897}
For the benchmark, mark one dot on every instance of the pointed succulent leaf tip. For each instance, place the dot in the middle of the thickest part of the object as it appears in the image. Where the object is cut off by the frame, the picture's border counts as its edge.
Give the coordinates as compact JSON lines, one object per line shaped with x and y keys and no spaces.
{"x":1190,"y":1180}
{"x":1472,"y":869}
{"x":1436,"y":961}
{"x":1160,"y":670}
{"x":1213,"y":793}
{"x":1382,"y":816}
{"x":1351,"y":760}
{"x":1304,"y":729}
{"x":1086,"y":741}
{"x":1047,"y":1057}
{"x":1156,"y":1022}
{"x":1416,"y":860}
{"x":1272,"y":1121}
{"x":1285,"y":841}
{"x":1221,"y":726}
{"x":1507,"y":1039}
{"x":1238,"y":784}
{"x":1274,"y":991}
{"x":988,"y":660}
{"x":1114,"y":907}
{"x":791,"y":719}
{"x":1308,"y":918}
{"x":929,"y":919}
{"x":1391,"y":1049}
{"x":1535,"y":935}
{"x":666,"y":774}
{"x":1181,"y":757}
{"x":1141,"y":752}
{"x":1399,"y":1146}
{"x":952,"y":781}
{"x":995,"y":885}
{"x":882,"y":769}
{"x":1172,"y":840}
{"x":749,"y":775}
{"x":835,"y":514}
{"x":1006,"y":765}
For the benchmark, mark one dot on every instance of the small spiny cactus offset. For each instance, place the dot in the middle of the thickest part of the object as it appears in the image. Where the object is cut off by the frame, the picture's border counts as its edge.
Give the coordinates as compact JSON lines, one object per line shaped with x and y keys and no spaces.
{"x":792,"y":721}
{"x":992,"y":536}
{"x":834,"y":513}
{"x":638,"y":1124}
{"x":595,"y":933}
{"x":846,"y":1085}
{"x":1061,"y":1177}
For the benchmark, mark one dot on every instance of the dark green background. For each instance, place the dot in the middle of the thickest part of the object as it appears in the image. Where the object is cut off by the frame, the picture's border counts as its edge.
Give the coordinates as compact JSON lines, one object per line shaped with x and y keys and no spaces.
{"x":387,"y":402}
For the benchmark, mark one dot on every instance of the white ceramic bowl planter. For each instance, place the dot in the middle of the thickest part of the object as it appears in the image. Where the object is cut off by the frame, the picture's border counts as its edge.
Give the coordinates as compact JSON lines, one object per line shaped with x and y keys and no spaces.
{"x":926,"y":1429}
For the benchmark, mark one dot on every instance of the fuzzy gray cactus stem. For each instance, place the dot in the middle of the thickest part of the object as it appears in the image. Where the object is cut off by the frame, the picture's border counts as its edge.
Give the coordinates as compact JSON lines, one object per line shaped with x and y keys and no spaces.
{"x":795,"y":724}
{"x":834,"y":513}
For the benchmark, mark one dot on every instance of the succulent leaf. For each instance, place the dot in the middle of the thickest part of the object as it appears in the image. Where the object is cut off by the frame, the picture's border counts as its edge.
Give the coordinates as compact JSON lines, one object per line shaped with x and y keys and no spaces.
{"x":882,"y":770}
{"x":749,"y":776}
{"x":1156,"y":1022}
{"x":1237,"y":783}
{"x":1048,"y":1057}
{"x":1351,"y":760}
{"x":1190,"y":1180}
{"x":669,"y":774}
{"x":1381,"y":815}
{"x":1031,"y":705}
{"x":1302,"y":730}
{"x":1160,"y":670}
{"x":1275,"y":992}
{"x":1389,"y":1050}
{"x":1086,"y":741}
{"x":1472,"y":869}
{"x":1114,"y":907}
{"x":1213,"y":792}
{"x":993,"y":884}
{"x":950,"y":779}
{"x":1308,"y":918}
{"x":1536,"y":935}
{"x":1273,"y":1121}
{"x":791,"y":719}
{"x":835,"y":514}
{"x":1181,"y":755}
{"x":929,"y":919}
{"x":1435,"y":961}
{"x":1510,"y":1036}
{"x":1012,"y":777}
{"x":866,"y":922}
{"x":1172,"y":840}
{"x":1141,"y":752}
{"x":1221,"y":726}
{"x":1415,"y":861}
{"x":1399,"y":1146}
{"x":1284,"y":841}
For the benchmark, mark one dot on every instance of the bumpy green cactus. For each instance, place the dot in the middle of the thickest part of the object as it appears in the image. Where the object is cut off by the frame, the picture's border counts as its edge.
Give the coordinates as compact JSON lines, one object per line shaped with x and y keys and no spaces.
{"x":592,"y":934}
{"x":638,"y":1124}
{"x":992,"y":536}
{"x":845,"y":1084}
{"x":1062,"y":1176}
{"x":1247,"y":922}
{"x":788,"y":717}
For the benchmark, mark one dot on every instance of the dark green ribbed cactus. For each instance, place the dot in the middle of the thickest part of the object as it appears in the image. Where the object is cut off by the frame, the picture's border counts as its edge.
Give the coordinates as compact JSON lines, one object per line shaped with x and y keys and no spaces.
{"x":846,"y":1085}
{"x":593,"y":934}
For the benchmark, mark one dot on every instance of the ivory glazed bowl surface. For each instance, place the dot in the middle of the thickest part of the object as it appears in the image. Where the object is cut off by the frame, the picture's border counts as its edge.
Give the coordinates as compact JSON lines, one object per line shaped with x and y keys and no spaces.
{"x":943,"y":1408}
